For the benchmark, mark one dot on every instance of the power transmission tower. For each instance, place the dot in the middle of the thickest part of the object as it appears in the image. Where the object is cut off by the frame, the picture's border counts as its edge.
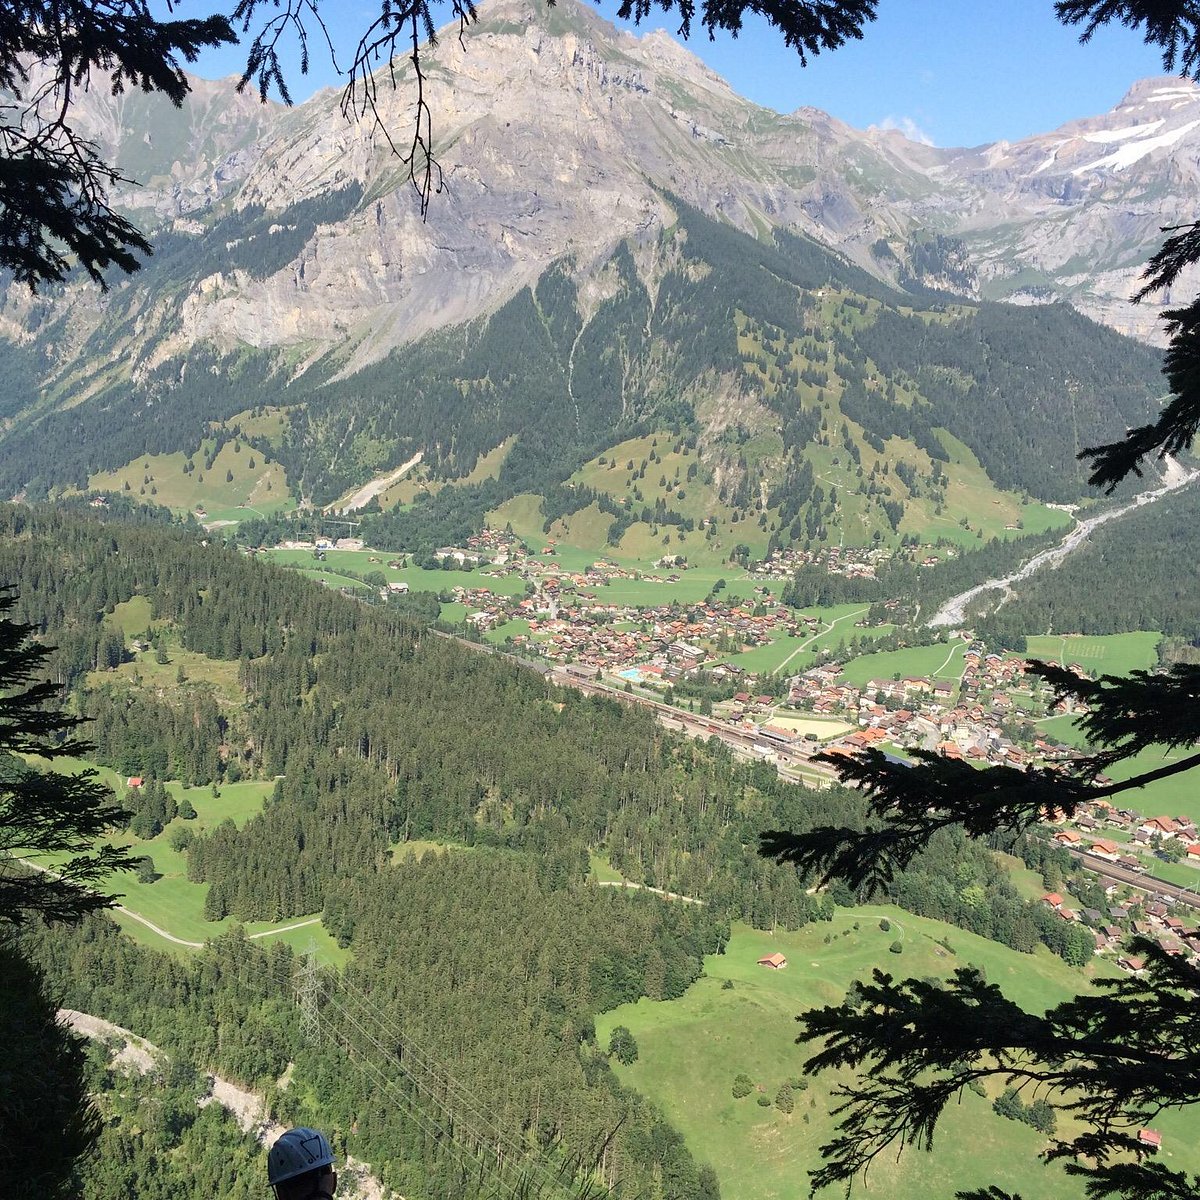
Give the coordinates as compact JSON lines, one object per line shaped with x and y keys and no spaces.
{"x":306,"y":986}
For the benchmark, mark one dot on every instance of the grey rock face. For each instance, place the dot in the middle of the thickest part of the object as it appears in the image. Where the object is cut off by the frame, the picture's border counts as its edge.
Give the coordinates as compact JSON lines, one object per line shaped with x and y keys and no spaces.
{"x":559,"y":136}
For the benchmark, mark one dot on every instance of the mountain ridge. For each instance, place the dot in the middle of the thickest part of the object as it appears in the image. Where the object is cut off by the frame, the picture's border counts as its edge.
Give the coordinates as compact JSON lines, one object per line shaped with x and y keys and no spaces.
{"x":555,"y":132}
{"x":626,"y":242}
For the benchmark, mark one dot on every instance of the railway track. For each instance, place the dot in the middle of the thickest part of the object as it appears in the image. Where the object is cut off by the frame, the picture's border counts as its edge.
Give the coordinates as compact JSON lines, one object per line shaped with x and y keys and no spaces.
{"x":1147,"y":883}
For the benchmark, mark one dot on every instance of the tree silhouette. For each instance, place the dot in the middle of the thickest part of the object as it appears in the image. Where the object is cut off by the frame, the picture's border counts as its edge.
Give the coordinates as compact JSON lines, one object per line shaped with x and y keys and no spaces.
{"x":1113,"y":1060}
{"x":50,"y":823}
{"x":46,"y":1119}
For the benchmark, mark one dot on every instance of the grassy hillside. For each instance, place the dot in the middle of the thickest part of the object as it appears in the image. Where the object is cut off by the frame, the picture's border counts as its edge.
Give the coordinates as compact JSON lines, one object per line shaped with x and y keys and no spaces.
{"x":227,"y":482}
{"x":740,"y":1018}
{"x":172,"y":902}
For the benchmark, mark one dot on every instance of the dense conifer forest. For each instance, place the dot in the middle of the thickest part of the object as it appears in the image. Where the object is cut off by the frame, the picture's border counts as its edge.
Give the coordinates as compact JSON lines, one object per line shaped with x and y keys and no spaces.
{"x":496,"y":954}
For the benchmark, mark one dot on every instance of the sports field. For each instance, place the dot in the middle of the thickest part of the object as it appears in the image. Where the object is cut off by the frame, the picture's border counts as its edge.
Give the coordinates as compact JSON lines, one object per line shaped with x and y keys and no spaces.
{"x":691,"y":1049}
{"x":821,"y":727}
{"x":1113,"y":654}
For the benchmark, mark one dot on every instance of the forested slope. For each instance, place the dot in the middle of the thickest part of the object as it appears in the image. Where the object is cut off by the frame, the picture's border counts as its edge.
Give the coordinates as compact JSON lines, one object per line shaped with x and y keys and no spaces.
{"x":498,"y":953}
{"x":1141,"y":566}
{"x":717,"y":335}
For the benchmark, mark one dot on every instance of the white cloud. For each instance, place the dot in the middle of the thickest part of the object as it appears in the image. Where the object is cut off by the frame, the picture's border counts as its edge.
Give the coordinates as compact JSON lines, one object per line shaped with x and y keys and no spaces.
{"x":908,"y":127}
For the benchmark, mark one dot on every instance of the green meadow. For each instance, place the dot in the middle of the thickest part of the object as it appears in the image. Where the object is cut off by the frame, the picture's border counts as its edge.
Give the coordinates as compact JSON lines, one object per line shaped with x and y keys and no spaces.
{"x":1176,"y":796}
{"x":172,"y":901}
{"x":239,"y":483}
{"x":942,"y":660}
{"x":794,"y":653}
{"x":1112,"y":654}
{"x":740,"y":1018}
{"x":359,"y":562}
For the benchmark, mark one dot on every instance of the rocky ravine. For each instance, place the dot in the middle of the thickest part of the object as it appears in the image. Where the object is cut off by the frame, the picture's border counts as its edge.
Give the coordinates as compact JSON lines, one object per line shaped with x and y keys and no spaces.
{"x":134,"y":1053}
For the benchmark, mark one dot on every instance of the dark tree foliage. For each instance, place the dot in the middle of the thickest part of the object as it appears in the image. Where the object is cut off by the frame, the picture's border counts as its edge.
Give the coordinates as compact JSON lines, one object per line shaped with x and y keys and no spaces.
{"x":46,"y":1121}
{"x":1113,"y":1060}
{"x":45,"y":815}
{"x":51,"y":864}
{"x":1116,"y":1059}
{"x":54,"y":210}
{"x":1104,"y":1058}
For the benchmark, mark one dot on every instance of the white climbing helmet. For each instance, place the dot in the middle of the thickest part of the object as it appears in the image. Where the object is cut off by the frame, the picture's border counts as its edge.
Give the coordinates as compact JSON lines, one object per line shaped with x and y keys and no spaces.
{"x":297,"y":1152}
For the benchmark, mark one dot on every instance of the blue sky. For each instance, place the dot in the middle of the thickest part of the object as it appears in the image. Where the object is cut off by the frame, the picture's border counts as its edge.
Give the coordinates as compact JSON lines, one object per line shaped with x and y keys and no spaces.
{"x":954,"y":72}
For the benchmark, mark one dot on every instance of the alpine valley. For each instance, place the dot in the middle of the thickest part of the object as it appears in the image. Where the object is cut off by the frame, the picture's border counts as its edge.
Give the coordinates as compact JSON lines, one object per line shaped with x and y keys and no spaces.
{"x":620,"y":243}
{"x":456,"y":600}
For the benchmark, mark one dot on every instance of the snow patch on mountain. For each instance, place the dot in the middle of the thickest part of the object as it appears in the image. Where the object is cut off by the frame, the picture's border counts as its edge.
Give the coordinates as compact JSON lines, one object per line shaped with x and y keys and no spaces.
{"x":1120,"y":135}
{"x":1128,"y":154}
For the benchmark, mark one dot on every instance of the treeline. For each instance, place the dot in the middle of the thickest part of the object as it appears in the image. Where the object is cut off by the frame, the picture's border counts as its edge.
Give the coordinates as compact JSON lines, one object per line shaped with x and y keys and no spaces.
{"x":140,"y":734}
{"x":483,"y":966}
{"x":1009,"y":380}
{"x":972,"y":890}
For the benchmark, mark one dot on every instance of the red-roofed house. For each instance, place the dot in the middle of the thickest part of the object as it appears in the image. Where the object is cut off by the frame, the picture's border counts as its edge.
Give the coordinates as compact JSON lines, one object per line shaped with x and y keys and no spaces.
{"x":775,"y":961}
{"x":1163,"y":826}
{"x":1053,"y":899}
{"x":1150,"y":1137}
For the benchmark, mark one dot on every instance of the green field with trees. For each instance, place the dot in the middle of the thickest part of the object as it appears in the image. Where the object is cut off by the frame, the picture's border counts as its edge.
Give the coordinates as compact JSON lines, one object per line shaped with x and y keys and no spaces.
{"x":739,"y":1019}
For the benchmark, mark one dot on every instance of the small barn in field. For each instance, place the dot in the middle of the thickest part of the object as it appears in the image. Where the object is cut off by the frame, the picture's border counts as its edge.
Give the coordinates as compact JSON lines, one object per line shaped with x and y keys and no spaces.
{"x":776,"y":962}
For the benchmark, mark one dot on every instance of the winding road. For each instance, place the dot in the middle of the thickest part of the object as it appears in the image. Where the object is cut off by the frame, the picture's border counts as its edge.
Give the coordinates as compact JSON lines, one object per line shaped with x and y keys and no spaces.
{"x":954,"y":611}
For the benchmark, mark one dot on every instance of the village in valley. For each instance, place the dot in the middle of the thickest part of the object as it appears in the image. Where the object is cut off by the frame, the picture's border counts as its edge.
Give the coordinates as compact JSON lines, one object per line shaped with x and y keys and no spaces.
{"x":785,"y":685}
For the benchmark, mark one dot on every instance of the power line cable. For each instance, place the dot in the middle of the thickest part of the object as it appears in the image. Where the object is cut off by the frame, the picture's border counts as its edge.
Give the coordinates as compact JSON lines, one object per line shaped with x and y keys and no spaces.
{"x":483,"y":1129}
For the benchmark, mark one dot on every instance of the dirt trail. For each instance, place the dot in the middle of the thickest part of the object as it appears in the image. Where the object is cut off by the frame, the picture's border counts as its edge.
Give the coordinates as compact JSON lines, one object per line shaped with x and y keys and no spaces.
{"x":645,"y":887}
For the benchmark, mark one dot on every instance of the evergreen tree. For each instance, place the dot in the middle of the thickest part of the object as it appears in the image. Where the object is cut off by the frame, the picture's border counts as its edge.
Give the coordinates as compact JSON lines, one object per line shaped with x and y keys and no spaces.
{"x":46,"y":814}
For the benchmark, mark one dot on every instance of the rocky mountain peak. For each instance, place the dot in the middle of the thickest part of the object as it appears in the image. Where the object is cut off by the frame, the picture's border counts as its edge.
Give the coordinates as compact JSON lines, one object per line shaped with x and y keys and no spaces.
{"x":560,"y":136}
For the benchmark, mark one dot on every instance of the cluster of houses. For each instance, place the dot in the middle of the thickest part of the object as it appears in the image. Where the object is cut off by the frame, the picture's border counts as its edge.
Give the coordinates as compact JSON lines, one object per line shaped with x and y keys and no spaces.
{"x":666,"y":642}
{"x":1123,"y":919}
{"x":963,"y":719}
{"x":861,"y":562}
{"x":499,"y":547}
{"x":851,"y":561}
{"x":1134,"y":839}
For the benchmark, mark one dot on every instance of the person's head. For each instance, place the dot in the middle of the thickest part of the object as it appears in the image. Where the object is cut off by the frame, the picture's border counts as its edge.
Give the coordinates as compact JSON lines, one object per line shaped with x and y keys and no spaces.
{"x":300,"y":1166}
